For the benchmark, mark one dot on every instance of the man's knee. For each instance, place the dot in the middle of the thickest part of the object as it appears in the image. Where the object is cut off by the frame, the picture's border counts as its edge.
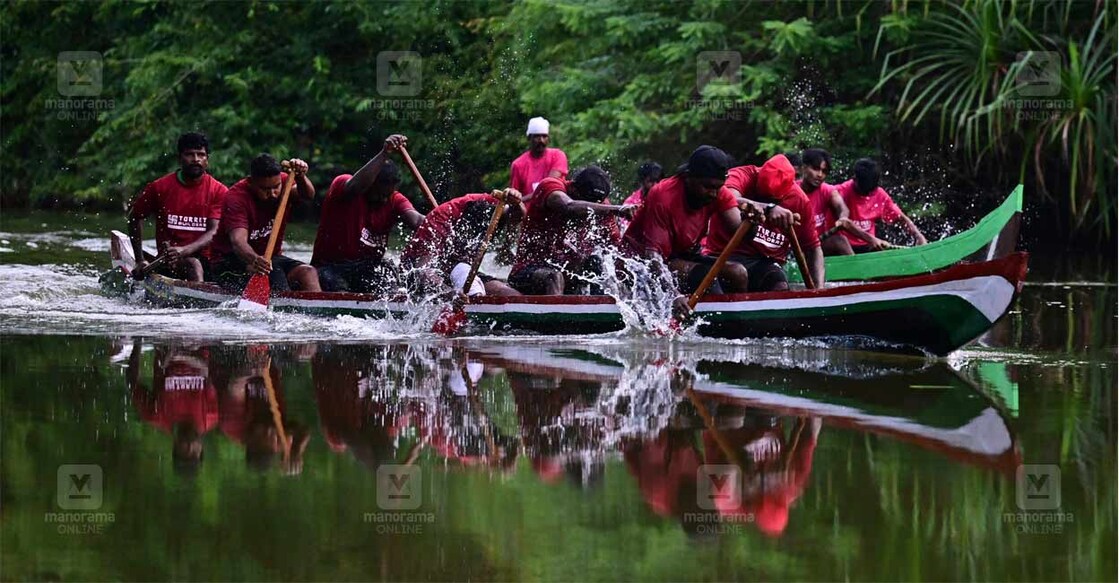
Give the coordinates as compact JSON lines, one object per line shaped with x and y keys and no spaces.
{"x":189,"y":268}
{"x":837,"y":245}
{"x":305,"y":277}
{"x":734,"y":277}
{"x":496,"y":287}
{"x":549,"y":281}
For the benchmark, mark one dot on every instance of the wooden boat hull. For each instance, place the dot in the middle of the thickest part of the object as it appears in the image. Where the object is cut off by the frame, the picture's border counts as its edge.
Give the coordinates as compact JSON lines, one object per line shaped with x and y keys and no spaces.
{"x":993,"y":237}
{"x":936,"y":313}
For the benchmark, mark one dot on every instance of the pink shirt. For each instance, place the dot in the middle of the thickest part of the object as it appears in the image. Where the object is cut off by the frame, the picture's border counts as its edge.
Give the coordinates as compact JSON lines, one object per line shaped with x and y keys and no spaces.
{"x":866,"y":210}
{"x":526,"y":172}
{"x":821,"y":206}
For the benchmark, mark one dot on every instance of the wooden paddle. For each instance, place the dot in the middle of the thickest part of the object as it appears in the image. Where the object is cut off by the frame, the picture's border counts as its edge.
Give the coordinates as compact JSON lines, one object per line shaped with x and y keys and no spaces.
{"x":255,"y":296}
{"x":719,"y":263}
{"x":416,"y":174}
{"x":802,"y":262}
{"x":140,"y":274}
{"x":451,"y":320}
{"x":835,"y":229}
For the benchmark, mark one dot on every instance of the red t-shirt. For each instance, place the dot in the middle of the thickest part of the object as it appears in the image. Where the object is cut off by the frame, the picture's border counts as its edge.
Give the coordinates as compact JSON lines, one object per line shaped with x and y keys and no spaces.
{"x":351,"y":229}
{"x":526,"y":172}
{"x":183,"y":392}
{"x":633,"y":198}
{"x":242,"y":210}
{"x":768,"y":241}
{"x":667,"y":224}
{"x":436,"y":241}
{"x":820,"y":199}
{"x":180,"y":211}
{"x":744,"y":179}
{"x":550,"y":239}
{"x":865,"y":210}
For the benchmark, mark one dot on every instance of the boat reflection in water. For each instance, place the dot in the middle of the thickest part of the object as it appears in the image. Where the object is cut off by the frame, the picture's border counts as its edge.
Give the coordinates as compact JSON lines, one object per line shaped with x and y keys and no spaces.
{"x":712,"y":436}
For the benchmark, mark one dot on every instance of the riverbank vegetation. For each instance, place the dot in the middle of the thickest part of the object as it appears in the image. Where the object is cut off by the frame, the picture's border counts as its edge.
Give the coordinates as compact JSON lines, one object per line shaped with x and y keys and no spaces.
{"x":954,"y":98}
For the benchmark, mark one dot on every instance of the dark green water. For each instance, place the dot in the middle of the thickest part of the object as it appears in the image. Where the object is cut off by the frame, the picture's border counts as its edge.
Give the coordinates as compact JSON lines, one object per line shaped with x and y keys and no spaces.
{"x":590,"y":459}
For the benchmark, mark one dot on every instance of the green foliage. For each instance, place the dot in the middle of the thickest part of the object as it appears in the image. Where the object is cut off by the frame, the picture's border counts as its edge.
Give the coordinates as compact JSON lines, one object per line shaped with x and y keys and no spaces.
{"x":972,"y":63}
{"x":618,"y":80}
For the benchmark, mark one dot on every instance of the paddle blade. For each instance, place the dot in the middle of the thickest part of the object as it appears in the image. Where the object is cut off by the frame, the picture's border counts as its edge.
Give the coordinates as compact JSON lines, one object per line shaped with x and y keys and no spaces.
{"x":255,"y":296}
{"x":449,"y":322}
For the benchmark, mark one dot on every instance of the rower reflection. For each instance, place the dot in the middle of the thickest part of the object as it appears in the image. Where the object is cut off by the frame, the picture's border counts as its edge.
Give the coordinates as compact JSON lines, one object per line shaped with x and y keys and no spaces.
{"x":182,"y":399}
{"x":253,"y":408}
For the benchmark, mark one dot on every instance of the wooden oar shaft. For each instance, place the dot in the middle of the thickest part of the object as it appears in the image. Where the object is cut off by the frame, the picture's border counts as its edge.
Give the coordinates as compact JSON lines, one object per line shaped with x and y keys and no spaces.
{"x":709,"y":421}
{"x":828,"y":233}
{"x":494,"y":220}
{"x":416,"y":174}
{"x":274,"y":407}
{"x":142,"y":273}
{"x":802,"y":262}
{"x":719,"y":263}
{"x":279,"y":218}
{"x":836,"y":229}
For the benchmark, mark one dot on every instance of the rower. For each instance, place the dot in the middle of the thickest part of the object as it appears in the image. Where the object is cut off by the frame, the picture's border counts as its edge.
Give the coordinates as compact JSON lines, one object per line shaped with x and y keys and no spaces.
{"x":674,"y":219}
{"x":187,"y":206}
{"x":247,"y":216}
{"x":358,"y":214}
{"x":648,"y":174}
{"x":561,"y":232}
{"x":828,"y":208}
{"x":538,"y":162}
{"x":868,"y":204}
{"x":764,"y":256}
{"x":448,"y":239}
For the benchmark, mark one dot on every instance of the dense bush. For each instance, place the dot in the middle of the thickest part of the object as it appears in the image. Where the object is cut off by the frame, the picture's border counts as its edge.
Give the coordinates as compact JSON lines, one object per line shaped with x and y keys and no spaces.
{"x":926,"y":86}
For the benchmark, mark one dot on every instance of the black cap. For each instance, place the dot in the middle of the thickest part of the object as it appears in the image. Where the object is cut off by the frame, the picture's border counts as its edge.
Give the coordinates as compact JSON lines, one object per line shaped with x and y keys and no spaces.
{"x":707,"y":162}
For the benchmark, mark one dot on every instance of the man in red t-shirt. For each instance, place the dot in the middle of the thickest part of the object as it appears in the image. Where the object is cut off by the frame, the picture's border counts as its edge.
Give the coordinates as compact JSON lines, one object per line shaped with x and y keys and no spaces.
{"x":868,"y":203}
{"x":447,"y":241}
{"x":774,"y":187}
{"x":561,"y":232}
{"x":247,"y":215}
{"x":187,"y":207}
{"x":674,"y":219}
{"x":358,"y":215}
{"x":538,"y":162}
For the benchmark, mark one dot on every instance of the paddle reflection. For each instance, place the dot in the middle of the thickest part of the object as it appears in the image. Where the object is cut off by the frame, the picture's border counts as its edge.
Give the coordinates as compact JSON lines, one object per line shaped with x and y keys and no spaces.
{"x":720,"y":441}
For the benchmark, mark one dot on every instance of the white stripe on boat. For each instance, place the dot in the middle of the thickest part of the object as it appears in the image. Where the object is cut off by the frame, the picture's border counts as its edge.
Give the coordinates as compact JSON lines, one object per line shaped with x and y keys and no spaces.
{"x":989,"y":294}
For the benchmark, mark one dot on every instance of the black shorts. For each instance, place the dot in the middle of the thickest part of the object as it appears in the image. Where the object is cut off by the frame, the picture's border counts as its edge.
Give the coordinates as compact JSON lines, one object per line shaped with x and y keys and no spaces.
{"x":765,"y":274}
{"x":859,"y":249}
{"x":523,"y":279}
{"x":230,"y":273}
{"x":360,"y":276}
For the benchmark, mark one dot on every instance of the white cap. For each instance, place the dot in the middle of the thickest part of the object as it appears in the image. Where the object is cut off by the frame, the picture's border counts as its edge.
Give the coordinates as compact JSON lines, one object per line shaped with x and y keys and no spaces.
{"x":537,"y":125}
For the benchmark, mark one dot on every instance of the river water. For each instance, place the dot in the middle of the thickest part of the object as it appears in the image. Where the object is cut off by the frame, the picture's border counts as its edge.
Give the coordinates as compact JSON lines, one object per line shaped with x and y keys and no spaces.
{"x":143,"y":443}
